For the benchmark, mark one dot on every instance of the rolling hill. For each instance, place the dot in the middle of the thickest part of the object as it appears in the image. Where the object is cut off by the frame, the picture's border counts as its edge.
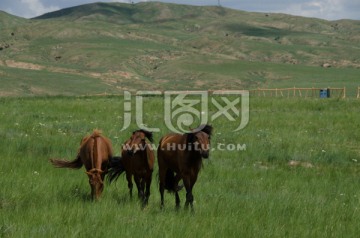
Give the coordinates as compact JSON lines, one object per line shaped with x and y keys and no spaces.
{"x":110,"y":47}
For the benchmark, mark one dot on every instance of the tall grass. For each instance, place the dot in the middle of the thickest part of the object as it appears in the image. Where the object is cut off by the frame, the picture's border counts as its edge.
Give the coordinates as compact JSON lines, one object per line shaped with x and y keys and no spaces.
{"x":245,"y":193}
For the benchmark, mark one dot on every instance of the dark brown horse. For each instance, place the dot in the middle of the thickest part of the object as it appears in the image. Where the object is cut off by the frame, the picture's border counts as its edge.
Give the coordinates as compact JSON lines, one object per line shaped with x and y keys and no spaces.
{"x":94,"y":153}
{"x":180,"y":157}
{"x":137,"y":159}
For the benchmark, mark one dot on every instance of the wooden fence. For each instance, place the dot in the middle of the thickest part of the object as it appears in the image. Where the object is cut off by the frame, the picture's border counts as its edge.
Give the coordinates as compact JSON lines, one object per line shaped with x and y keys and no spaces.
{"x":275,"y":92}
{"x":299,"y":92}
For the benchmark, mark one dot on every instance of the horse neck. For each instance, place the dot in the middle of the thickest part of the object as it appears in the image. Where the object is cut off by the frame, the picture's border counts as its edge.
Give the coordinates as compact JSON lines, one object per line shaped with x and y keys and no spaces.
{"x":194,"y":160}
{"x":193,"y":156}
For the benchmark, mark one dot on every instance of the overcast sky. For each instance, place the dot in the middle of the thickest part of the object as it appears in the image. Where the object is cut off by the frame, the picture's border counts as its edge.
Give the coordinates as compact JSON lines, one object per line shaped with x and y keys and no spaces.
{"x":326,"y":9}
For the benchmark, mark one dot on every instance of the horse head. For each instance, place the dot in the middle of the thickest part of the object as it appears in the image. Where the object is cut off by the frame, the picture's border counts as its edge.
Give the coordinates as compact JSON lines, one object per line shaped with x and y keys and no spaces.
{"x":137,"y":141}
{"x":96,"y":182}
{"x":199,"y":139}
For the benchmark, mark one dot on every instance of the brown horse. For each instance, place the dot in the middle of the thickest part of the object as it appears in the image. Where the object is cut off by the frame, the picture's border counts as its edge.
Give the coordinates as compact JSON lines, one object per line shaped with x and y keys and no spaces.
{"x":137,"y":159}
{"x":94,"y":153}
{"x":182,"y":154}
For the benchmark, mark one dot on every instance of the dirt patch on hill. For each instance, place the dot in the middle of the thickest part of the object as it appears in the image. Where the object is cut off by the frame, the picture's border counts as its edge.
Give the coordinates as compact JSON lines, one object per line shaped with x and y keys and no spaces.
{"x":7,"y":94}
{"x":119,"y":74}
{"x":63,"y":70}
{"x":23,"y":65}
{"x":112,"y":78}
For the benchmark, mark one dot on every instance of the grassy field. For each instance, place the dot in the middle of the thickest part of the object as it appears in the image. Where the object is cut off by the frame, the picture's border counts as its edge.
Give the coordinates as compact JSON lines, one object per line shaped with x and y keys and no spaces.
{"x":293,"y":171}
{"x":298,"y":177}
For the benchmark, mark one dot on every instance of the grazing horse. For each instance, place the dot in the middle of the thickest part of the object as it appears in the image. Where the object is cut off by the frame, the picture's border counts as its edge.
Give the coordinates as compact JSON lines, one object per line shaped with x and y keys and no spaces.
{"x":94,"y":153}
{"x":137,"y":159}
{"x":182,"y":154}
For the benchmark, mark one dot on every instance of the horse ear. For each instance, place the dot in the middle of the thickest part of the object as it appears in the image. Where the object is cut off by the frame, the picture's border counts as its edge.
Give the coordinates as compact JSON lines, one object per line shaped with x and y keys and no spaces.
{"x":150,"y":137}
{"x":148,"y":134}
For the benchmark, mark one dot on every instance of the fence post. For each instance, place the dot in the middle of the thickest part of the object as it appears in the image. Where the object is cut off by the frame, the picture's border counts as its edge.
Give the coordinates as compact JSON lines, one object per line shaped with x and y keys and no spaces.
{"x":358,"y":93}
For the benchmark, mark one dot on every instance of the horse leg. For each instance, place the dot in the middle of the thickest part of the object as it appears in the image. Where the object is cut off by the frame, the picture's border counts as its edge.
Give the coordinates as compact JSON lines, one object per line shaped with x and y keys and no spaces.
{"x":147,"y":191}
{"x":176,"y":189}
{"x":189,"y":196}
{"x":130,"y":184}
{"x":186,"y":181}
{"x":143,"y":184}
{"x":162,"y":175}
{"x":138,"y":183}
{"x":177,"y":199}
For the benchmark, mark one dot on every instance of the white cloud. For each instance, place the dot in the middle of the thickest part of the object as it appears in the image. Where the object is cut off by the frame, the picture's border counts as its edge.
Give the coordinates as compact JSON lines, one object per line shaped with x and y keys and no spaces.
{"x":327,"y":9}
{"x":127,"y":1}
{"x":36,"y":8}
{"x":120,"y":0}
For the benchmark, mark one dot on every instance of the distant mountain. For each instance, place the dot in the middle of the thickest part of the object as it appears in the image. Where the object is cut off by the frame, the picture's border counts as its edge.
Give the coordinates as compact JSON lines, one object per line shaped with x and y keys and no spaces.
{"x":7,"y":20}
{"x":138,"y":13}
{"x":123,"y":11}
{"x":152,"y":45}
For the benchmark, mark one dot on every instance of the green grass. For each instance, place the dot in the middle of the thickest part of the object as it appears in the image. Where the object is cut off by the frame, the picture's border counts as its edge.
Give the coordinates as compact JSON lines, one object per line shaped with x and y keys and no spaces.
{"x":44,"y":82}
{"x":248,"y":193}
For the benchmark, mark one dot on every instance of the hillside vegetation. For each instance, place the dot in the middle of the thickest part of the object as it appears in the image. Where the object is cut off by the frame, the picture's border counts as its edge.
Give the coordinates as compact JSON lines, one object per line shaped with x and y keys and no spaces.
{"x":110,"y":47}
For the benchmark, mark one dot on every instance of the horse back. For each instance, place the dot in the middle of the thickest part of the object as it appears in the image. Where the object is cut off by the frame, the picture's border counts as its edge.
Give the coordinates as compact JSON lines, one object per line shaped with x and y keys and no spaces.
{"x":169,"y":150}
{"x":95,"y":150}
{"x":170,"y":139}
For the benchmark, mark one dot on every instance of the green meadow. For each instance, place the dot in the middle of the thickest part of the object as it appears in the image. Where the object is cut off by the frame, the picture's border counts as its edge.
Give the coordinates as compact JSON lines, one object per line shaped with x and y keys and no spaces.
{"x":295,"y":174}
{"x":292,"y":171}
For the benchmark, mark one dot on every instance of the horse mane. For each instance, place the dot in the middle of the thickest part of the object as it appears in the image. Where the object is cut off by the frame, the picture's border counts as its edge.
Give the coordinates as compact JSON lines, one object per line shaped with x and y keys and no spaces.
{"x":204,"y":128}
{"x":148,"y":134}
{"x":207,"y":129}
{"x":96,"y":133}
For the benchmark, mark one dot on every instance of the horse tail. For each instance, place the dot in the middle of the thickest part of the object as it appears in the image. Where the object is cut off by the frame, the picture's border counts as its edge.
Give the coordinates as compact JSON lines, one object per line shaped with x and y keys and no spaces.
{"x":74,"y":164}
{"x":115,"y":168}
{"x":170,"y":180}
